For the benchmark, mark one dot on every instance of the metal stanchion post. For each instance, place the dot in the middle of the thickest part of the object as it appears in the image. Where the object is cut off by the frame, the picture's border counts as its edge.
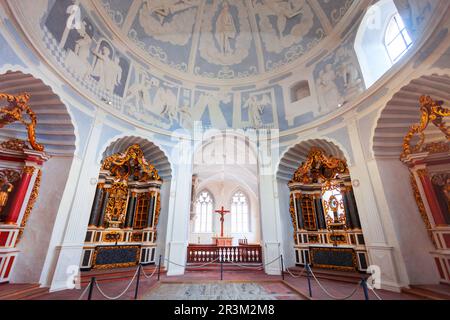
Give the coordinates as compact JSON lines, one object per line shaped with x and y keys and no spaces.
{"x":137,"y":282}
{"x":282,"y":268}
{"x":365,"y":289}
{"x":91,"y":288}
{"x":159,"y":267}
{"x":308,"y":272}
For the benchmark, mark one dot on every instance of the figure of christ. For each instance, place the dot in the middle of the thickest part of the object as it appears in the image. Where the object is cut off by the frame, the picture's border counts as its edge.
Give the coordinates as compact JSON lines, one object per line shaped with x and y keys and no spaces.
{"x":225,"y":29}
{"x":222,"y":213}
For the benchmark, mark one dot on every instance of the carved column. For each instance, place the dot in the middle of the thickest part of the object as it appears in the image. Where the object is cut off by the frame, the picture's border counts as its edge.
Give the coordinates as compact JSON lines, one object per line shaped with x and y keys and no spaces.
{"x":131,"y":210}
{"x":151,"y":210}
{"x":19,"y":195}
{"x":320,"y":213}
{"x":96,"y":206}
{"x":298,"y":208}
{"x":101,"y":218}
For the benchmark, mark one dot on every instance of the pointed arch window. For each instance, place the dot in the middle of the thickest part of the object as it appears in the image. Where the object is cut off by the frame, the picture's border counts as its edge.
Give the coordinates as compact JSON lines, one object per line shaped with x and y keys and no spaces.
{"x":240,"y":222}
{"x":204,"y":213}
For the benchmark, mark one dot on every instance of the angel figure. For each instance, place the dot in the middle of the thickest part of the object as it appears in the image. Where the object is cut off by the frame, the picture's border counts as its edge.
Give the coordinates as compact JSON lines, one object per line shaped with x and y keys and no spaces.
{"x":256,"y":109}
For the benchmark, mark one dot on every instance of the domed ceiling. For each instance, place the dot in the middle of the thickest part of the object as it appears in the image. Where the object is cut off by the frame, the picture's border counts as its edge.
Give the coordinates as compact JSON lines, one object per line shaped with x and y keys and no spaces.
{"x":170,"y":64}
{"x":223,"y":39}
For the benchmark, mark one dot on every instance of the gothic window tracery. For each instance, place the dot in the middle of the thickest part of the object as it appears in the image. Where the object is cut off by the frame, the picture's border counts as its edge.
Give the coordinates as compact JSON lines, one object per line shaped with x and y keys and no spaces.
{"x":239,"y":213}
{"x":204,"y":213}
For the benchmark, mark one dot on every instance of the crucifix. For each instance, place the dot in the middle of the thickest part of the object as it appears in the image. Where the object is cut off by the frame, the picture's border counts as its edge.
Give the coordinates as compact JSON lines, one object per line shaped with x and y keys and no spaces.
{"x":222,"y":213}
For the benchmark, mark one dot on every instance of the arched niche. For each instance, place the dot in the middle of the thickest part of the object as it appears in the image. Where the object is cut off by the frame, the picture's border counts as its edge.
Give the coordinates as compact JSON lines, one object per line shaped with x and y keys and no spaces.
{"x":419,"y":216}
{"x":318,"y":208}
{"x":55,"y":131}
{"x":130,"y":207}
{"x":225,"y":162}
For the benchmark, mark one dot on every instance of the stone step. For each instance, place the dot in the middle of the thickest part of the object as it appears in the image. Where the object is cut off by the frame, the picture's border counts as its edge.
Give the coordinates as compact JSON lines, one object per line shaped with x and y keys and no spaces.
{"x":431,"y":292}
{"x":115,"y":274}
{"x":342,"y":276}
{"x":25,"y":292}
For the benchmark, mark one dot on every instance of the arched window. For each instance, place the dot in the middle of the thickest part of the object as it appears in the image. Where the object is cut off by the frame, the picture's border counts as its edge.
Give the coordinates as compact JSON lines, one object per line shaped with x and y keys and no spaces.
{"x":239,"y":213}
{"x":397,"y":39}
{"x":204,"y":213}
{"x":382,"y":39}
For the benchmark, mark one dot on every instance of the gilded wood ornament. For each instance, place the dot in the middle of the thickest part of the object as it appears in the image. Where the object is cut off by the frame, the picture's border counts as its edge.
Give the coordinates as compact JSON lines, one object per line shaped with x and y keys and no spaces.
{"x":14,"y":112}
{"x":421,"y":205}
{"x":117,"y":204}
{"x":131,"y":163}
{"x":31,"y":202}
{"x":430,"y":111}
{"x":8,"y":178}
{"x":319,"y":168}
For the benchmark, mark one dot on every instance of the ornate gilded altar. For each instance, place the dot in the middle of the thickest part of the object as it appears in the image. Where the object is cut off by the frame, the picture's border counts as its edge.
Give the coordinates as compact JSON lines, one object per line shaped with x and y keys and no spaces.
{"x":125,"y":211}
{"x":327,"y":229}
{"x":20,"y":176}
{"x":426,"y":152}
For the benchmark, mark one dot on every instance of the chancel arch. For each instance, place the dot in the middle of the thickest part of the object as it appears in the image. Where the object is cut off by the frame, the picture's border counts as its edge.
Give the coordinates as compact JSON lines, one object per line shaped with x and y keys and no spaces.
{"x":36,"y":154}
{"x":411,"y":152}
{"x":225,"y":164}
{"x":316,"y":191}
{"x":129,"y":211}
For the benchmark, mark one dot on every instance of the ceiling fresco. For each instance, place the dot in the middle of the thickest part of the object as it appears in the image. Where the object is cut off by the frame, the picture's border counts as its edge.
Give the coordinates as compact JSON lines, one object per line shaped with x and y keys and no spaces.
{"x":224,"y":39}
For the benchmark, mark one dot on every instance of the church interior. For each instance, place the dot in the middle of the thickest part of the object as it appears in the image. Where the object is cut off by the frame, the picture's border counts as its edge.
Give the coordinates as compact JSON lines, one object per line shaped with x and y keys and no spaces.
{"x":224,"y":150}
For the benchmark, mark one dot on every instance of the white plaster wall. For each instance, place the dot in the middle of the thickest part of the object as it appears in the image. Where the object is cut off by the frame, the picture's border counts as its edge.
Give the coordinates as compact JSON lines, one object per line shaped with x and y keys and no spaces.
{"x":163,"y":219}
{"x":36,"y":237}
{"x":286,"y":224}
{"x":222,"y":193}
{"x":414,"y":242}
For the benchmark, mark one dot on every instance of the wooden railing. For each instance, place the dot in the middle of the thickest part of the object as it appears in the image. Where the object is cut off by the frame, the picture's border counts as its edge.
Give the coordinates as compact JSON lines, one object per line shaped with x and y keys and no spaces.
{"x":241,"y":254}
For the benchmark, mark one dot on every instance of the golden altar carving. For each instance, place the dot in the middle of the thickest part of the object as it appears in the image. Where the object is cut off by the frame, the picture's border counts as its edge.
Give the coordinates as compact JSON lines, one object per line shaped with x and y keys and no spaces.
{"x":14,"y":112}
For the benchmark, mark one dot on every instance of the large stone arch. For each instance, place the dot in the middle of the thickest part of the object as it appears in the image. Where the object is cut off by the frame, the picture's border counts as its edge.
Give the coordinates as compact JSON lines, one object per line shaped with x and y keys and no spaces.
{"x":57,"y":132}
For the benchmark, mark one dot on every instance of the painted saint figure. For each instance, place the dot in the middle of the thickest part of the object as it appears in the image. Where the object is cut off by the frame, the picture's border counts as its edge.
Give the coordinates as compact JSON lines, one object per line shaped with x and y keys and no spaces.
{"x":106,"y":69}
{"x":225,"y":30}
{"x":256,"y":109}
{"x":328,"y":88}
{"x":5,"y":189}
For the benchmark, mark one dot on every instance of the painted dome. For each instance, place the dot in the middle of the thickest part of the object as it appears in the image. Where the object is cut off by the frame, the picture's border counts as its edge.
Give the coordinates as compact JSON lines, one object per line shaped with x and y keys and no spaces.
{"x":227,"y":39}
{"x":165,"y":65}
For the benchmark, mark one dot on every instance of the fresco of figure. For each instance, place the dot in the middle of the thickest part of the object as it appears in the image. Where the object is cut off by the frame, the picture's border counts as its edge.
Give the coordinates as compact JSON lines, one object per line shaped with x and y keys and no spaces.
{"x":225,"y":29}
{"x":256,"y":109}
{"x":328,"y":89}
{"x":78,"y":59}
{"x":107,"y":69}
{"x":168,"y":101}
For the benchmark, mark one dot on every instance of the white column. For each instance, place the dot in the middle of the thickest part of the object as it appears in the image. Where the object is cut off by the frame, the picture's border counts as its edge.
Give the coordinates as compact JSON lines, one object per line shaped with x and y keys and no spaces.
{"x":179,"y":209}
{"x":70,"y":246}
{"x":270,"y":223}
{"x":271,"y":235}
{"x":379,"y":245}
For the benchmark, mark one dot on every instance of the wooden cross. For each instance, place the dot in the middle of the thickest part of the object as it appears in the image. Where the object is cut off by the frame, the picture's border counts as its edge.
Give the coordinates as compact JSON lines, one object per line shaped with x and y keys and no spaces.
{"x":222,"y":213}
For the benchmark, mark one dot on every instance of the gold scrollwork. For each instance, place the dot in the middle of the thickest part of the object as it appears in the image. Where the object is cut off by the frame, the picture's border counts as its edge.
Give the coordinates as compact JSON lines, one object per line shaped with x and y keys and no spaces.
{"x":421,"y":206}
{"x":14,"y":144}
{"x":17,"y":106}
{"x":431,"y":111}
{"x":31,"y":202}
{"x":292,"y":212}
{"x":116,"y":207}
{"x":131,"y":162}
{"x":318,"y":166}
